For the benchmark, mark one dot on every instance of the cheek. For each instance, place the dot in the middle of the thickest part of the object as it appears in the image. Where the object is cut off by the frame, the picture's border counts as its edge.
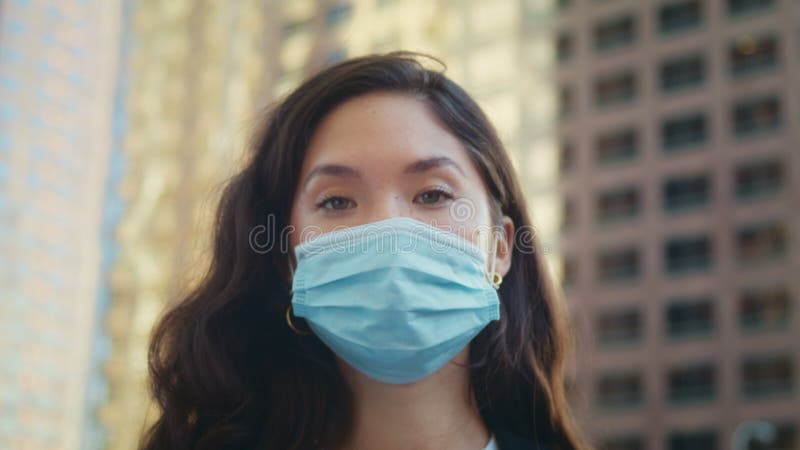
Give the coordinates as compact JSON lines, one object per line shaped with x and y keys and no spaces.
{"x":476,"y":227}
{"x":293,"y":237}
{"x":298,"y":222}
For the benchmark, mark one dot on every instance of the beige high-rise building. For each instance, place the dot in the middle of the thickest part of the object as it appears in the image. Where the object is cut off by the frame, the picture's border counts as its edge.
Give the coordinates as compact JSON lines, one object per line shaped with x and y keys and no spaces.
{"x":195,"y":75}
{"x":680,"y":174}
{"x":57,"y":78}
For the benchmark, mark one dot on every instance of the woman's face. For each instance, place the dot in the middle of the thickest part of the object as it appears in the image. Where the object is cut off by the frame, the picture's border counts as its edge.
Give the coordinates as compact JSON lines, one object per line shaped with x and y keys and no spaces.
{"x":383,"y":155}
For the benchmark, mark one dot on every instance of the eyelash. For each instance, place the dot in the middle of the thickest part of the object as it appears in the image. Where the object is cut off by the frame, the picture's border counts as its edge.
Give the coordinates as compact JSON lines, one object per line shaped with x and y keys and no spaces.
{"x":447,"y":193}
{"x":326,"y":199}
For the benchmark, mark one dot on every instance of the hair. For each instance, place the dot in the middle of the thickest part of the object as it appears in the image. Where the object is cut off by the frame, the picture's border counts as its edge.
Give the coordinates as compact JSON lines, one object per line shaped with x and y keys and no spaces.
{"x":227,"y":371}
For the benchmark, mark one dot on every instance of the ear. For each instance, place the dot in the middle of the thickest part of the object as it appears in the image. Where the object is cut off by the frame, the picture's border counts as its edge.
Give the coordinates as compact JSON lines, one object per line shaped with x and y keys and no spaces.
{"x":505,"y":243}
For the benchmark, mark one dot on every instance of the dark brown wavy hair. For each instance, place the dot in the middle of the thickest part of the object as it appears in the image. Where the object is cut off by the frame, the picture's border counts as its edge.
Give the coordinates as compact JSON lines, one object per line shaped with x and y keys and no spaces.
{"x":228,"y":372}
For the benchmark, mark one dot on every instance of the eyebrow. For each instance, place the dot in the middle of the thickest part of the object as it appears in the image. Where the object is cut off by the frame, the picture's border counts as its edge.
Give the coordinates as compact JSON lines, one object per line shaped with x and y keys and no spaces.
{"x":334,"y":170}
{"x":418,"y":166}
{"x":431,"y":163}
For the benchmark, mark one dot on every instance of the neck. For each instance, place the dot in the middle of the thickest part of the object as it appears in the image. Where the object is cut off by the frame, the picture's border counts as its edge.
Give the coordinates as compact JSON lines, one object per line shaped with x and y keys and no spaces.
{"x":437,"y":412}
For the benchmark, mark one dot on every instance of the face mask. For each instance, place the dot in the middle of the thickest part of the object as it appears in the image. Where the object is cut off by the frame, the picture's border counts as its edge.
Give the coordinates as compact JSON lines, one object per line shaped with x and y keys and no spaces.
{"x":396,"y":299}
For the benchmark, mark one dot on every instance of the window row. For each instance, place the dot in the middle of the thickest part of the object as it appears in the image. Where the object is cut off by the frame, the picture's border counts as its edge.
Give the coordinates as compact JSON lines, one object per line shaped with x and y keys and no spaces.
{"x":748,"y":116}
{"x":683,"y":192}
{"x":753,"y":244}
{"x":684,"y":132}
{"x":672,"y":18}
{"x":758,"y":309}
{"x":762,"y":376}
{"x":747,"y":55}
{"x":785,"y":438}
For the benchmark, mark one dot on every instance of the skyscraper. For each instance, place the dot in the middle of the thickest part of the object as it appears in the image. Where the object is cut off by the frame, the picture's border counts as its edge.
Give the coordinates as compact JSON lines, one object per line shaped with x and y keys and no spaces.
{"x":57,"y":75}
{"x":679,"y":175}
{"x":196,"y":75}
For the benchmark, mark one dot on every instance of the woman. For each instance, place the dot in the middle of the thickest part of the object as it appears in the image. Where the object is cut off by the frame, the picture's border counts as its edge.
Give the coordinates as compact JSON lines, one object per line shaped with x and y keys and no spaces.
{"x":289,"y":344}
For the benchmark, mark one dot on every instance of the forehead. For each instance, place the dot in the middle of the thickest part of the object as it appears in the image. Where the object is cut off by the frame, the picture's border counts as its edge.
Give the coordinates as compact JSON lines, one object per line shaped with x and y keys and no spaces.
{"x":382,"y":128}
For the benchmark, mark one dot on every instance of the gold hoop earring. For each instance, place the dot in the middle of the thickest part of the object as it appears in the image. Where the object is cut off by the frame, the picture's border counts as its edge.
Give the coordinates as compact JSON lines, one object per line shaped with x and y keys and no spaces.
{"x":496,"y":279}
{"x":291,"y":325}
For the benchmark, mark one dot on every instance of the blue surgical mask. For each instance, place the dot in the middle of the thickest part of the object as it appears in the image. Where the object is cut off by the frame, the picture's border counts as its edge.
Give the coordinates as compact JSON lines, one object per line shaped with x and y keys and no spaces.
{"x":397,"y":299}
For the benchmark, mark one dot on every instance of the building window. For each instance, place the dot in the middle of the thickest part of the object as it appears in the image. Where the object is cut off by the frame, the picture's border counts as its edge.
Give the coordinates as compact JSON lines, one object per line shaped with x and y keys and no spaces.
{"x":615,"y":89}
{"x":684,"y":132}
{"x":565,"y":46}
{"x":569,"y":271}
{"x":619,"y":390}
{"x":568,"y":218}
{"x":617,"y":205}
{"x":764,"y":376}
{"x":761,"y":242}
{"x":680,"y":16}
{"x":295,"y":27}
{"x":785,"y":439}
{"x":686,"y":192}
{"x":566,"y":102}
{"x":618,"y":264}
{"x":682,"y":72}
{"x":690,"y":317}
{"x":748,"y":54}
{"x":692,"y":383}
{"x":688,"y":254}
{"x":739,"y":7}
{"x":758,"y":179}
{"x":693,"y":440}
{"x":617,"y":146}
{"x":337,"y":14}
{"x":622,"y":442}
{"x":764,"y":308}
{"x":566,"y":156}
{"x":335,"y":56}
{"x":756,"y":116}
{"x":619,"y":327}
{"x":614,"y":33}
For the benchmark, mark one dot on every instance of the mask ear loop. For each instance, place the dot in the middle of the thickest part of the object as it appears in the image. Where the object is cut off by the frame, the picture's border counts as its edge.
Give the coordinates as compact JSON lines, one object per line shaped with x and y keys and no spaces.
{"x":496,"y":278}
{"x":291,"y":271}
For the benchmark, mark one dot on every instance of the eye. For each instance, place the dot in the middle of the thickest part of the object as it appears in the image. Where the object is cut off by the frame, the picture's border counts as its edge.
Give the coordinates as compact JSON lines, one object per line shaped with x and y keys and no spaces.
{"x":335,"y":203}
{"x":433,"y":196}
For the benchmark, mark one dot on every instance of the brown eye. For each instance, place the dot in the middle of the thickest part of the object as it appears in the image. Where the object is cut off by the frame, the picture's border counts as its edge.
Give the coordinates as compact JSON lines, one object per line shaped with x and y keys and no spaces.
{"x":433,"y":196}
{"x":336,"y":203}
